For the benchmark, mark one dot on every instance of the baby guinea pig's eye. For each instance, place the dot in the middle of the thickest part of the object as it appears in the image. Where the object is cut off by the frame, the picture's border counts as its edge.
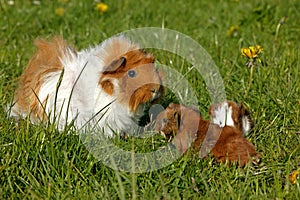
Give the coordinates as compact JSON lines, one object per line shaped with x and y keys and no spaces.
{"x":132,"y":73}
{"x":164,"y":120}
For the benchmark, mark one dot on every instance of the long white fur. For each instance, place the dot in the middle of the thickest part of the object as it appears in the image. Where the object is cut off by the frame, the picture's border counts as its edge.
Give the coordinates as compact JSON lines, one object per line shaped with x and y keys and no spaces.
{"x":88,"y":98}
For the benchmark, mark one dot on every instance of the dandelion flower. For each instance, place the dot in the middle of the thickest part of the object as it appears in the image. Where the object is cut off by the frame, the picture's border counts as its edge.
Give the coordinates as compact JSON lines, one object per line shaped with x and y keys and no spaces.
{"x":59,"y":11}
{"x":101,"y":7}
{"x":252,"y":53}
{"x":293,"y":176}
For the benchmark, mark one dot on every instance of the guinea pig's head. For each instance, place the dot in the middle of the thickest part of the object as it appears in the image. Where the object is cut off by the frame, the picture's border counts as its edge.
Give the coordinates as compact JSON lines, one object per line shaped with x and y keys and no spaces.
{"x":131,"y":77}
{"x":168,"y":121}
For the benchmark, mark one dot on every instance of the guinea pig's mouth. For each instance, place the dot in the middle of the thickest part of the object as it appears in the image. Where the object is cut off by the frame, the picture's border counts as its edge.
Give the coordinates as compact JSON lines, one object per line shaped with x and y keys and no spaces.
{"x":155,"y":94}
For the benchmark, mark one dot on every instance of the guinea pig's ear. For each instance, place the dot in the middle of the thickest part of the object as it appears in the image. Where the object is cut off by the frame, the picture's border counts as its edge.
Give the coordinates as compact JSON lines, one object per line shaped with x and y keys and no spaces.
{"x":242,"y":109}
{"x":115,"y":65}
{"x":246,"y":113}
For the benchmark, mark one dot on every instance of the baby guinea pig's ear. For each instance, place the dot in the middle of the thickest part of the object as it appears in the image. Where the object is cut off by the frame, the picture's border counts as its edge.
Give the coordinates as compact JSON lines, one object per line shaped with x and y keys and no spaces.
{"x":242,"y":109}
{"x":115,"y":65}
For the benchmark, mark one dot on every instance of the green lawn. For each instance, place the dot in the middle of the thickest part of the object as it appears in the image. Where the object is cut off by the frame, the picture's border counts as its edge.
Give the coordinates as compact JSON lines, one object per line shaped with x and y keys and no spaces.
{"x":41,"y":163}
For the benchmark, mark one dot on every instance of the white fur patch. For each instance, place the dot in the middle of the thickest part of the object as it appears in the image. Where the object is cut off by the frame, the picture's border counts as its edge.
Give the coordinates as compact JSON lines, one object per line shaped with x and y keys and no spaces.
{"x":229,"y":120}
{"x":246,"y":125}
{"x":223,"y":115}
{"x":220,"y":114}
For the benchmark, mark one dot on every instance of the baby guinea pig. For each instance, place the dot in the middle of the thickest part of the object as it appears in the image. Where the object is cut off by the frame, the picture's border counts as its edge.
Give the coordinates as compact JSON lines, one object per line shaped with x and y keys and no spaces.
{"x":188,"y":129}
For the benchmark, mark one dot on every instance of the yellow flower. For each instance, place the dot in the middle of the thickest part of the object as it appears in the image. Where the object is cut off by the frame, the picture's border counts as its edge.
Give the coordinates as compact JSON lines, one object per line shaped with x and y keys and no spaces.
{"x":102,"y":7}
{"x":293,"y":177}
{"x":232,"y":31}
{"x":59,"y":11}
{"x":252,"y":52}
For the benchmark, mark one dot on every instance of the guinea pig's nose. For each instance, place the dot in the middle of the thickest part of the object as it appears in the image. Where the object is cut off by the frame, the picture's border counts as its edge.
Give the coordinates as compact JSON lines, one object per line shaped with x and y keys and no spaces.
{"x":154,"y":90}
{"x":155,"y":94}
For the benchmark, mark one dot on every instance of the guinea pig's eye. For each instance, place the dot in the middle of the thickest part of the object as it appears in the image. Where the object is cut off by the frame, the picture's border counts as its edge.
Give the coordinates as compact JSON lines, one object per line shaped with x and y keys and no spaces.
{"x":164,"y":120}
{"x":131,"y":73}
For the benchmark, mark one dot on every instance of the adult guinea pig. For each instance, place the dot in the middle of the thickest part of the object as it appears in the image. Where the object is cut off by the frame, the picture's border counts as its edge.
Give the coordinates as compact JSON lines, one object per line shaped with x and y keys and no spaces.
{"x":107,"y":85}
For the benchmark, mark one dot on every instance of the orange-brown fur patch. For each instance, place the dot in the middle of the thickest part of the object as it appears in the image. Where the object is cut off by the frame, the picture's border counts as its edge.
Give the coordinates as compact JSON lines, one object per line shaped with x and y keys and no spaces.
{"x":107,"y":86}
{"x":182,"y":122}
{"x":45,"y":61}
{"x":232,"y":146}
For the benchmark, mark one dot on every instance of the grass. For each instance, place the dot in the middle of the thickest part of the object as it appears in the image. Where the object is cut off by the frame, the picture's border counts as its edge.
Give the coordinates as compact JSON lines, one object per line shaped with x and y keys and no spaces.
{"x":37,"y":162}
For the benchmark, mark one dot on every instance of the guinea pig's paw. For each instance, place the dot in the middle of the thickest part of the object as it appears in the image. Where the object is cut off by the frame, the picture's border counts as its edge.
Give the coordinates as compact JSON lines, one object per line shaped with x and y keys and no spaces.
{"x":256,"y":159}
